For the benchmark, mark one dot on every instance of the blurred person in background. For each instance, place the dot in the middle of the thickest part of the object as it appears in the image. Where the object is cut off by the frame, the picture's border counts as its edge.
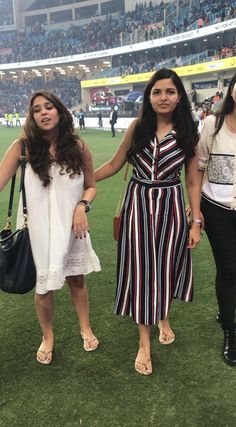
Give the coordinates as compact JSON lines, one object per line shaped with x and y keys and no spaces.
{"x":100,"y":123}
{"x":113,"y":120}
{"x":196,"y":115}
{"x":10,"y":120}
{"x":205,"y":112}
{"x":81,"y":120}
{"x":17,"y":117}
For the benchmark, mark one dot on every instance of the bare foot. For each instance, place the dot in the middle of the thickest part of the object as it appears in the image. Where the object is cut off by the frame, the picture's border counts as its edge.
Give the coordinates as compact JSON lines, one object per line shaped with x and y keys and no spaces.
{"x":44,"y":353}
{"x":143,"y":363}
{"x":166,"y":336}
{"x":91,"y":342}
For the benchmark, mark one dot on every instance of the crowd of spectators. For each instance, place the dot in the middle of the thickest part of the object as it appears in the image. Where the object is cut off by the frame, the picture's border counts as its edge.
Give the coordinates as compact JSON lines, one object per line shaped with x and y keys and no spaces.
{"x":6,"y":17}
{"x":192,"y":16}
{"x":15,"y":94}
{"x":100,"y":34}
{"x":141,"y":66}
{"x":209,"y":106}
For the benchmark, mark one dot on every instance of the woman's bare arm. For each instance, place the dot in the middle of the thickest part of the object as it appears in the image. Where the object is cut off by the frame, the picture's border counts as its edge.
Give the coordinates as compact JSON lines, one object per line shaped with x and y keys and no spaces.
{"x":113,"y":165}
{"x":10,"y":163}
{"x":80,"y":221}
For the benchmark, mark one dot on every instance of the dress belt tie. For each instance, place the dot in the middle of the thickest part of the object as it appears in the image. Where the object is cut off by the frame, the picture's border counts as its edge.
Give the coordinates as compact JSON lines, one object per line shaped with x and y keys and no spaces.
{"x":156,"y":184}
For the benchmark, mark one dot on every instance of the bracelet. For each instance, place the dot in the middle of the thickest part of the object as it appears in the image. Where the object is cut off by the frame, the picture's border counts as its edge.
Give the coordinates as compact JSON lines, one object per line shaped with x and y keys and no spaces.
{"x":197,"y":221}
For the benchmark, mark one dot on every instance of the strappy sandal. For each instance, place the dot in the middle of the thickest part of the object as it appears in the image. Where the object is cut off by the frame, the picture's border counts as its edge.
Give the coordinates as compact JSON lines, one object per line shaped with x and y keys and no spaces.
{"x":146,"y":366}
{"x":46,"y":360}
{"x":88,"y":343}
{"x":166,"y":338}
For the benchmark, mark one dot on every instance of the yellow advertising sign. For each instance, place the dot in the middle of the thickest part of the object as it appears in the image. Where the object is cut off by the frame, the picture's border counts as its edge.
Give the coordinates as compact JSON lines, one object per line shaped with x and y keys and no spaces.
{"x":119,"y":80}
{"x":205,"y":67}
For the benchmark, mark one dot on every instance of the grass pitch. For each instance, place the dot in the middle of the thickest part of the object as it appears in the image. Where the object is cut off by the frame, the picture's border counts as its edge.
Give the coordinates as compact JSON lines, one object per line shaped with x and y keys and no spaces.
{"x":190,"y":385}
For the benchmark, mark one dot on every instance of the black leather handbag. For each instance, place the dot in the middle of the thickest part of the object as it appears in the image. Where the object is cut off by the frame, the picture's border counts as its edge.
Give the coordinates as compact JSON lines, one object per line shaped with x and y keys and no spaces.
{"x":17,"y":269}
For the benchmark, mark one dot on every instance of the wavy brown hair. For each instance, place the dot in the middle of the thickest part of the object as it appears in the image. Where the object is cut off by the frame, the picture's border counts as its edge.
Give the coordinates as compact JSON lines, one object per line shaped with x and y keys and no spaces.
{"x":69,"y":154}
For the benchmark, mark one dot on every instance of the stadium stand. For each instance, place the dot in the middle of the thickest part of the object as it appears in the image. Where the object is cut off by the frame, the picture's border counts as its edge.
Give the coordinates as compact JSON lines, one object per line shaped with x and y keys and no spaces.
{"x":15,"y":94}
{"x":7,"y":16}
{"x":37,"y":42}
{"x":42,"y":39}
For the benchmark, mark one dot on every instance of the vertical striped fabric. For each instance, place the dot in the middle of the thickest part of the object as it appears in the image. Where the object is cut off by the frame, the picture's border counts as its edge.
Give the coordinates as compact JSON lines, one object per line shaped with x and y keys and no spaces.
{"x":154,"y":265}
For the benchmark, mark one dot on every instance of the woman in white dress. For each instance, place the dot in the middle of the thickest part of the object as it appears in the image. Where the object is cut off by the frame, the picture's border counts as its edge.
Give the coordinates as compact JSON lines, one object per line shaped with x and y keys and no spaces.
{"x":60,"y":186}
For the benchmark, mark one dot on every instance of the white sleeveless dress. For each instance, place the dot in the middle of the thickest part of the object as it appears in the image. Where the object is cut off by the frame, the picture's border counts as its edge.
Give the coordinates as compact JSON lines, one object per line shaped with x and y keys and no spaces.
{"x":56,"y":251}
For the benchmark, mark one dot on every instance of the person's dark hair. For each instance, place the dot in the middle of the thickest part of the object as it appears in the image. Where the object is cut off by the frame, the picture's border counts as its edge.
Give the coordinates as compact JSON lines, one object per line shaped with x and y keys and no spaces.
{"x":227,"y":107}
{"x":184,"y":126}
{"x":68,"y":152}
{"x":206,"y":108}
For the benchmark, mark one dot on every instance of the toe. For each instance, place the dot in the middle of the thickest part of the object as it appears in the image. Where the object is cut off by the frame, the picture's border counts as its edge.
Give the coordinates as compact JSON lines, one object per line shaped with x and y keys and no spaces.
{"x":44,"y":353}
{"x":143,"y":363}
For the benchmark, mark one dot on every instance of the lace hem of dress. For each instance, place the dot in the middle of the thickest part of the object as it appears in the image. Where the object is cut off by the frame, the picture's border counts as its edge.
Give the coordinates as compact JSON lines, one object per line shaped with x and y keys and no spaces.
{"x":54,"y":278}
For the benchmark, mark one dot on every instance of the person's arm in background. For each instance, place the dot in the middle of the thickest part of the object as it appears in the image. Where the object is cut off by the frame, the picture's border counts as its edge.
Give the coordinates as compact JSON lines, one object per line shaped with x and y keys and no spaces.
{"x":205,"y":146}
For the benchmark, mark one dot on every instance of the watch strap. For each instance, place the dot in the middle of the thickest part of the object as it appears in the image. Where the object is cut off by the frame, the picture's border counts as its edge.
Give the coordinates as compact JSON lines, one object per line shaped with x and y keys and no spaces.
{"x":86,"y":203}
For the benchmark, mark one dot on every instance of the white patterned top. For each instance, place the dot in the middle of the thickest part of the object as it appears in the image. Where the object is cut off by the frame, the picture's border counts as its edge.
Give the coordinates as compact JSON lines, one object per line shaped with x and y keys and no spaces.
{"x":218,"y":154}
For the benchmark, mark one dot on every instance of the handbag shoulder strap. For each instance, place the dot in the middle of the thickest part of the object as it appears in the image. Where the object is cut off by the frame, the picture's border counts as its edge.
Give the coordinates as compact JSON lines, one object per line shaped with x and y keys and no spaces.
{"x":13,"y":181}
{"x":22,"y":187}
{"x":22,"y":181}
{"x":120,"y":201}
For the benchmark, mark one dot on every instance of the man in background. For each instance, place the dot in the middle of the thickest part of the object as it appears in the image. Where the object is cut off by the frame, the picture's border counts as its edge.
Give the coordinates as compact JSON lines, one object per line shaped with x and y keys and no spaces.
{"x":81,"y":120}
{"x":113,"y":120}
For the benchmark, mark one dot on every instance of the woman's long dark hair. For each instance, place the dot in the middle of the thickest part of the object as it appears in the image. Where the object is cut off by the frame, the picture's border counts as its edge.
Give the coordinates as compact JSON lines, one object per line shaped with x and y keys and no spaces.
{"x":68,"y":152}
{"x":146,"y":127}
{"x":227,"y":107}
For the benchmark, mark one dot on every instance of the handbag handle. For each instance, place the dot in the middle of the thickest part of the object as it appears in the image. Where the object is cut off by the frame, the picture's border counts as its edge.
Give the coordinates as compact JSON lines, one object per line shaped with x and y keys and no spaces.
{"x":22,"y":188}
{"x":120,"y":201}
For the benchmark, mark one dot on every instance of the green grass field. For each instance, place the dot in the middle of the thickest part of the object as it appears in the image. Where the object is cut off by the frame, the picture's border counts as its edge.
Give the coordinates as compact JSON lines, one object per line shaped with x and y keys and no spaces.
{"x":190,"y":385}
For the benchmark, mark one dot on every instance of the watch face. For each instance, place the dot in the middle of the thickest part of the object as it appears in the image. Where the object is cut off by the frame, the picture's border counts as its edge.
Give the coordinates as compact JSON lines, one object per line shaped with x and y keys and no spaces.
{"x":87,"y":205}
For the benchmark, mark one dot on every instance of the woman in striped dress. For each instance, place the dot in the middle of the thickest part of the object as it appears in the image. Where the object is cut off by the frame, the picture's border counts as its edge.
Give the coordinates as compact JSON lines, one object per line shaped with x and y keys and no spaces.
{"x":154,"y":261}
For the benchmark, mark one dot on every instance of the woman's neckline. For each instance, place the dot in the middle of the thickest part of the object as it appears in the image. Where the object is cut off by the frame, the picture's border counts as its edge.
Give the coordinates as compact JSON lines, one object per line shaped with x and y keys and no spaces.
{"x":229,"y":124}
{"x":164,"y":135}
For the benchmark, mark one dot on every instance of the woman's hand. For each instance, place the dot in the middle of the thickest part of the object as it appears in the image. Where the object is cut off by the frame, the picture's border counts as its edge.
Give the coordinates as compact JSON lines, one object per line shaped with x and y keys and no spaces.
{"x":203,"y":222}
{"x":80,"y":222}
{"x":194,"y":236}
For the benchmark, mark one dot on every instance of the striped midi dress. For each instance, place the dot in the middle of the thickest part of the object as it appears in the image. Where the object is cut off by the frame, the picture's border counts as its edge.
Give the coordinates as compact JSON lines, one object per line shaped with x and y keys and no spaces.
{"x":154,"y":264}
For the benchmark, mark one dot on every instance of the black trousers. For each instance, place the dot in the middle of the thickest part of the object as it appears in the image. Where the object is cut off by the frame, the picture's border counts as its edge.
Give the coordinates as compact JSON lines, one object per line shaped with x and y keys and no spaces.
{"x":113,"y":129}
{"x":220,"y":227}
